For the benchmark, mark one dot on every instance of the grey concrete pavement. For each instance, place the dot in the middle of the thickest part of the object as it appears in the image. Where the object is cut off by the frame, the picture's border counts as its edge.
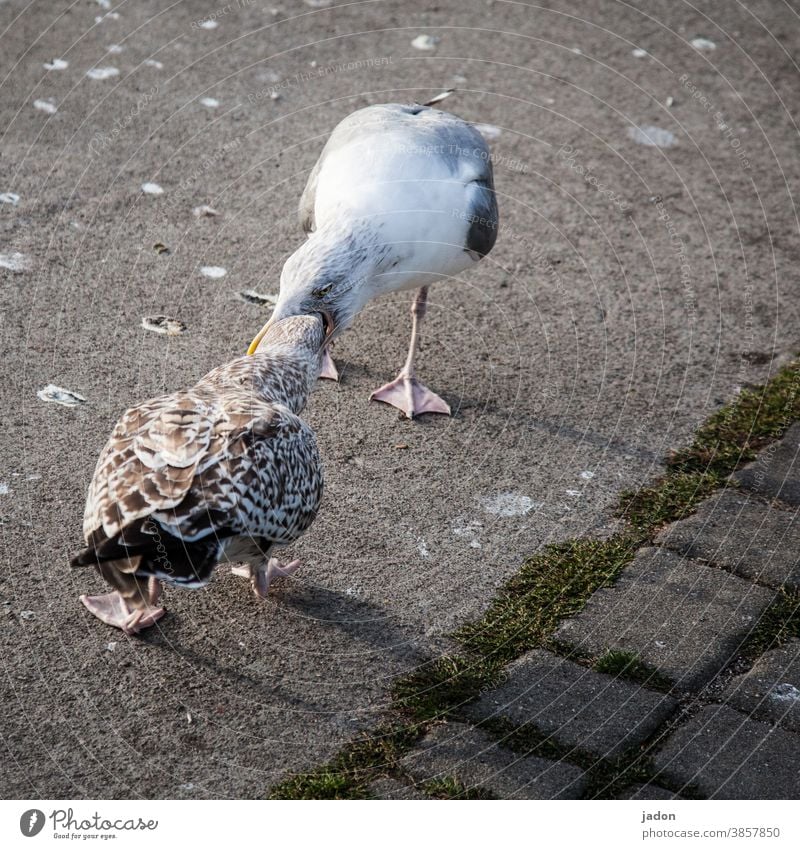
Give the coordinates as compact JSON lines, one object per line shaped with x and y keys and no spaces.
{"x":632,"y":290}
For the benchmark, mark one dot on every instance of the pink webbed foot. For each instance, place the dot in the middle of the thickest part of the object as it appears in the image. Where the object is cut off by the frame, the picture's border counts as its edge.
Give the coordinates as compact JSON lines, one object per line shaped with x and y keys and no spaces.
{"x":412,"y":397}
{"x":262,"y":575}
{"x":328,"y":370}
{"x":112,"y":609}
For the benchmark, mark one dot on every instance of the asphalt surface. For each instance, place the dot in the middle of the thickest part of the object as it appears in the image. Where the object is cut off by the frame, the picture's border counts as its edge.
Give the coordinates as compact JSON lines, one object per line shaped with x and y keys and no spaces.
{"x":633,"y":289}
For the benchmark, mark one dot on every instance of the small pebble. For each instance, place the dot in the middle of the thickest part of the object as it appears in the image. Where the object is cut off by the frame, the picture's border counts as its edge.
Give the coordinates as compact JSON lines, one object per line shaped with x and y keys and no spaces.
{"x":164,"y":324}
{"x":204,"y":211}
{"x":209,"y":102}
{"x":638,"y":53}
{"x":9,"y":197}
{"x":213,"y":271}
{"x":587,"y":476}
{"x":115,"y":48}
{"x":4,"y":489}
{"x":111,"y":646}
{"x":160,"y":248}
{"x":704,"y":44}
{"x":27,"y":615}
{"x":57,"y":395}
{"x":45,"y":106}
{"x":209,"y":25}
{"x":102,"y":73}
{"x":153,"y":63}
{"x":152,"y":189}
{"x":56,"y":65}
{"x":425,"y":42}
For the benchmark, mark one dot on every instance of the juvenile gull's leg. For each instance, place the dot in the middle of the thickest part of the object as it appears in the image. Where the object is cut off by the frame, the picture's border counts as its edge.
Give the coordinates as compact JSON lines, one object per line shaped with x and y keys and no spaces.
{"x":405,"y":392}
{"x":262,"y":575}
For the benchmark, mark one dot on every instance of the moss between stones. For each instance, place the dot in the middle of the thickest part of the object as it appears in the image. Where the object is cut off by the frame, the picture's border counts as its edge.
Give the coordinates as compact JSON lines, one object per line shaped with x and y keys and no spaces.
{"x":557,"y":583}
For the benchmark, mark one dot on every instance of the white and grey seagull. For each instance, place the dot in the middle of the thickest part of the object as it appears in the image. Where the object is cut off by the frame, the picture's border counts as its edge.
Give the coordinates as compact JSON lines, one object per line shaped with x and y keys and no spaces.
{"x":401,"y":196}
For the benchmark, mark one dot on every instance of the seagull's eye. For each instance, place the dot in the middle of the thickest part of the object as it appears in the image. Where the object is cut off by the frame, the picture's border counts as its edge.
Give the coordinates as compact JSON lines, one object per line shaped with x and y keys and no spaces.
{"x":320,"y":293}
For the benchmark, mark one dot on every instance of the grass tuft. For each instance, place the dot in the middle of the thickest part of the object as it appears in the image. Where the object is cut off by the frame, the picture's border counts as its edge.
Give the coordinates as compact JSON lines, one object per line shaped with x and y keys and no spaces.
{"x":628,"y":665}
{"x":779,"y":623}
{"x":549,"y":587}
{"x":451,"y":788}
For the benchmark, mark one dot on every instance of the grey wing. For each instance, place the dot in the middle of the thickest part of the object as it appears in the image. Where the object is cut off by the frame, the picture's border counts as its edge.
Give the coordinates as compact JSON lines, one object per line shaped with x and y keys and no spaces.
{"x":267,"y":485}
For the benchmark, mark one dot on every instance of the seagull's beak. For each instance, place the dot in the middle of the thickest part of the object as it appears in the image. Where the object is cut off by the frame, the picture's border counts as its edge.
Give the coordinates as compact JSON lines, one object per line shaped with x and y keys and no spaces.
{"x":257,"y":341}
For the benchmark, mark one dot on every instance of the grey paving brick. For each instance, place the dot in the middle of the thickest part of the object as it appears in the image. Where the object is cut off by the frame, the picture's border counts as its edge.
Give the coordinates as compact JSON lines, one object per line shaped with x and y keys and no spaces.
{"x":728,"y":756}
{"x":390,"y":788}
{"x":741,"y":533}
{"x":776,"y":471}
{"x":771,"y":689}
{"x":647,"y":792}
{"x":574,"y":705}
{"x":682,"y":617}
{"x":457,"y":750}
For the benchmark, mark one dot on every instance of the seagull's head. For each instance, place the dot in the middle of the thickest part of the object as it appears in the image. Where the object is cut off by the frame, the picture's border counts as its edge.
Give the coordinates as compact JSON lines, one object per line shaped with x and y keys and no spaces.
{"x":336,"y":290}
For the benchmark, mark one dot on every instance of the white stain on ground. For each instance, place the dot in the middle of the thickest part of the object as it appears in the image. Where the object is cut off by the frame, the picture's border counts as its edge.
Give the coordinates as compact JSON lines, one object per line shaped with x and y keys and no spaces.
{"x":422,"y":547}
{"x":425,"y":42}
{"x":14,"y":261}
{"x":651,"y":136}
{"x":705,"y":44}
{"x":210,"y":102}
{"x":110,"y":16}
{"x":785,"y":693}
{"x":209,"y":25}
{"x":488,"y":131}
{"x":4,"y":489}
{"x":9,"y":197}
{"x":587,"y":476}
{"x":115,"y":48}
{"x":573,"y":492}
{"x":45,"y":106}
{"x":58,"y":395}
{"x":153,"y":63}
{"x":638,"y":53}
{"x":56,"y":65}
{"x":152,"y":189}
{"x":508,"y":504}
{"x":102,"y":73}
{"x":213,"y":271}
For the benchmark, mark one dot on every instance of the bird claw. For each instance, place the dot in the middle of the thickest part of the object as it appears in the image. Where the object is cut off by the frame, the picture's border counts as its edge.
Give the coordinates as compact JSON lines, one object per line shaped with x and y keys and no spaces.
{"x":262,"y":575}
{"x":412,"y":397}
{"x":112,"y":609}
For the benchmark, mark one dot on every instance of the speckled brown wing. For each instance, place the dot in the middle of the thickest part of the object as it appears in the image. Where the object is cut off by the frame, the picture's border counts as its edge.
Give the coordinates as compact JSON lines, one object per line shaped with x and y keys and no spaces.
{"x":151,"y":459}
{"x":266,"y":485}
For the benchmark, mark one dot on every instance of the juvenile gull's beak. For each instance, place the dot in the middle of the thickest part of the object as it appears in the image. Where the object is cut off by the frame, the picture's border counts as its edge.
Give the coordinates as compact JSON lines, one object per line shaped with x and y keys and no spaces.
{"x":327,"y":320}
{"x":257,"y":341}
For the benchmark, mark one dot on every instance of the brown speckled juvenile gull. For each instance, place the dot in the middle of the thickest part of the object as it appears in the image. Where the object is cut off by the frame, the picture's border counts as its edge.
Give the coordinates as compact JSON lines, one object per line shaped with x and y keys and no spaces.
{"x":401,"y":196}
{"x":224,"y":470}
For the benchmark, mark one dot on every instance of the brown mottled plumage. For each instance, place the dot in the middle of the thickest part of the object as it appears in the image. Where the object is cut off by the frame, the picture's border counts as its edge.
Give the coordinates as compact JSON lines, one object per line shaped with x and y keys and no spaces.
{"x":226,"y":468}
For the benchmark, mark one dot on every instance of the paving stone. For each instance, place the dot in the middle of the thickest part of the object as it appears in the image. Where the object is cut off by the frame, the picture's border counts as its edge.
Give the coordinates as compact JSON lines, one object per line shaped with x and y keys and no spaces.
{"x":574,"y":705}
{"x":686,"y":619}
{"x":728,"y":756}
{"x":647,"y":792}
{"x":456,"y":750}
{"x":390,"y":788}
{"x":776,"y":471}
{"x":771,"y":689}
{"x":743,"y":534}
